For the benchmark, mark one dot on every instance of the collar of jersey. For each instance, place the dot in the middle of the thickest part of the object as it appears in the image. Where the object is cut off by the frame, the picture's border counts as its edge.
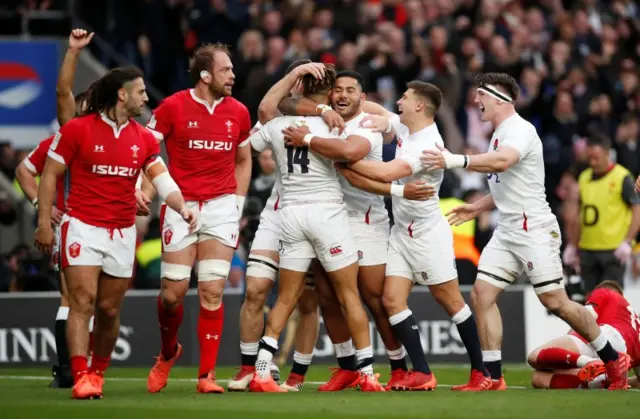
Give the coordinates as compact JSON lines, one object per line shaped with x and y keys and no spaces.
{"x":112,"y":123}
{"x":425,"y":130}
{"x":204,"y":102}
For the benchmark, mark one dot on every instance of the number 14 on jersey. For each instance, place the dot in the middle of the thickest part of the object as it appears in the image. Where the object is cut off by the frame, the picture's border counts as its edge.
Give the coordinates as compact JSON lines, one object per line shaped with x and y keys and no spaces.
{"x":298,"y":156}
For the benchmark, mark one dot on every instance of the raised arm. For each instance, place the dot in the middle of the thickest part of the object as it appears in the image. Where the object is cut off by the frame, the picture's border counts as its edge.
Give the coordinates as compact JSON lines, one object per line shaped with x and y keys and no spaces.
{"x":65,"y":102}
{"x":268,"y":108}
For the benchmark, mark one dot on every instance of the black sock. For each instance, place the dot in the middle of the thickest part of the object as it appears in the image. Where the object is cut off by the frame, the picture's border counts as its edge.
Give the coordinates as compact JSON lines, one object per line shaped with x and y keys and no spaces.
{"x":469,"y":335}
{"x":299,"y":369}
{"x":398,"y":364}
{"x":347,"y":363}
{"x":266,"y":346}
{"x":61,"y":343}
{"x":494,"y":368}
{"x":607,"y":353}
{"x":408,"y":333}
{"x":248,"y":360}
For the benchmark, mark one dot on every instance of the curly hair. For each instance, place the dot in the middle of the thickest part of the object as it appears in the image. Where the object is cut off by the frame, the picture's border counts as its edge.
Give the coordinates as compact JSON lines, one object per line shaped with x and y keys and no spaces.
{"x":311,"y":85}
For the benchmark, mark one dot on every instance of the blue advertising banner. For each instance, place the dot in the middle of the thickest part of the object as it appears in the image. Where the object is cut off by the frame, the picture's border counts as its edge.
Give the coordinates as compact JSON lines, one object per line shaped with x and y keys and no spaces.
{"x":28,"y":74}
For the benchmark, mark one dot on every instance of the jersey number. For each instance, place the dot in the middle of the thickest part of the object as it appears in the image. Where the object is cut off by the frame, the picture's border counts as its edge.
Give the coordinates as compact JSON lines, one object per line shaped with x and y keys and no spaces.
{"x":299,"y":156}
{"x":635,"y":320}
{"x":491,"y":175}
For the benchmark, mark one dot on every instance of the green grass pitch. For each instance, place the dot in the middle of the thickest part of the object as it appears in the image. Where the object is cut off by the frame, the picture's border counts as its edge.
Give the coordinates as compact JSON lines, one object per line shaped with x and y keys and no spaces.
{"x":24,"y":395}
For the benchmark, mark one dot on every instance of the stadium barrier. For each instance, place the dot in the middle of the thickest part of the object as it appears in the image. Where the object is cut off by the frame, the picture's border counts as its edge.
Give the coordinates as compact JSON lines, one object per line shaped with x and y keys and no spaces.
{"x":27,"y":335}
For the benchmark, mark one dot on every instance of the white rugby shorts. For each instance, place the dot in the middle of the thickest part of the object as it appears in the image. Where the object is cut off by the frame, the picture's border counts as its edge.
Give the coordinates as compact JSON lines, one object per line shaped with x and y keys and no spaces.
{"x":535,"y":252}
{"x":86,"y":245}
{"x":423,"y":255}
{"x":372,"y":241}
{"x":314,"y":231}
{"x":267,"y":236}
{"x":217,"y":219}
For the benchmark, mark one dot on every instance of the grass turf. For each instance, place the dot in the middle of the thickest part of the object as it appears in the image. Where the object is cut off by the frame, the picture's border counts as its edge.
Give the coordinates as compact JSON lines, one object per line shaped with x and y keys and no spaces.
{"x":24,"y":395}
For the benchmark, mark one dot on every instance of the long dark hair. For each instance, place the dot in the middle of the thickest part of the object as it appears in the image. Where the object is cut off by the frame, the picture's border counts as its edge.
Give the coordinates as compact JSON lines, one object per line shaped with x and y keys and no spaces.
{"x":103,"y":93}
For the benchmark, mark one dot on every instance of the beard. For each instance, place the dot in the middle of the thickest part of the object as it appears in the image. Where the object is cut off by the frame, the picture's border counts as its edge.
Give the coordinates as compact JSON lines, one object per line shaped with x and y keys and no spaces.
{"x":219,"y":90}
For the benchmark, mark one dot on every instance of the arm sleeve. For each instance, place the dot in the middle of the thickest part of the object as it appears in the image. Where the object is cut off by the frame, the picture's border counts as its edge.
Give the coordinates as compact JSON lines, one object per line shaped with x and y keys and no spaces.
{"x":628,"y":191}
{"x":65,"y":143}
{"x":36,"y":159}
{"x":520,"y":141}
{"x":260,"y":140}
{"x":413,"y":158}
{"x":245,"y":128}
{"x":153,"y":149}
{"x":374,"y":139}
{"x":160,"y":123}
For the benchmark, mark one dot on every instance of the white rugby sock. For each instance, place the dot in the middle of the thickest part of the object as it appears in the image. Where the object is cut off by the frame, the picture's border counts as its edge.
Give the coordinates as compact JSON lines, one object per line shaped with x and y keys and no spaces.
{"x":344,"y":349}
{"x":363,"y":354}
{"x":265,"y":356}
{"x":249,"y":348}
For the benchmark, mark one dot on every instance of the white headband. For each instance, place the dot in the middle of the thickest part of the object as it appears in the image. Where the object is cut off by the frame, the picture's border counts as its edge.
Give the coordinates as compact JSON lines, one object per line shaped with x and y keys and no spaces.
{"x":493,"y":91}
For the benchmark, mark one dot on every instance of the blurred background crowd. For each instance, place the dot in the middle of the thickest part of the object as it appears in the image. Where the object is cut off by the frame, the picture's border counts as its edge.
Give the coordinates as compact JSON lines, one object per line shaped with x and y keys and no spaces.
{"x":576,"y":63}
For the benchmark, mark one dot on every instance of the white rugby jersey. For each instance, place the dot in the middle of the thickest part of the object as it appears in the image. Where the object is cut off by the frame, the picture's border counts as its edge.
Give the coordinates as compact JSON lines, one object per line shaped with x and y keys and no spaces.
{"x":306,"y":176}
{"x":360,"y":202}
{"x":519,"y":192}
{"x":272,"y":202}
{"x":413,"y":215}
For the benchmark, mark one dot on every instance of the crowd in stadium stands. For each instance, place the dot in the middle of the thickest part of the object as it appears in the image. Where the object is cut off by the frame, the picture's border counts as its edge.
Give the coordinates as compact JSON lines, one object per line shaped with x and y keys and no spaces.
{"x":576,"y":62}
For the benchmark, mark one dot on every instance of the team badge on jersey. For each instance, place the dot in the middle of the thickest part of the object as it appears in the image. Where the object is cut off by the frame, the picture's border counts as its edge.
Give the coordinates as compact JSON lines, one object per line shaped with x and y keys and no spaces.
{"x":167,"y":237}
{"x":74,"y":249}
{"x":425,"y":276}
{"x":360,"y":255}
{"x":495,"y":144}
{"x":530,"y":266}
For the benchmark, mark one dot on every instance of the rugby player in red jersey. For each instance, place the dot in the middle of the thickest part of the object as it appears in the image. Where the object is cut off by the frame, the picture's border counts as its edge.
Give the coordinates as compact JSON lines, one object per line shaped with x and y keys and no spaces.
{"x":67,"y":107}
{"x":104,"y":151}
{"x":205,"y":131}
{"x":569,"y":362}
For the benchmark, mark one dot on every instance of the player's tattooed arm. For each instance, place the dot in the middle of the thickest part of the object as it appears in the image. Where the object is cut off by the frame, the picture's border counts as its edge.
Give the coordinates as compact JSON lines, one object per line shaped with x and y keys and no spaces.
{"x":65,"y":102}
{"x":351,"y":149}
{"x":383,"y":171}
{"x":302,"y":106}
{"x":416,"y":191}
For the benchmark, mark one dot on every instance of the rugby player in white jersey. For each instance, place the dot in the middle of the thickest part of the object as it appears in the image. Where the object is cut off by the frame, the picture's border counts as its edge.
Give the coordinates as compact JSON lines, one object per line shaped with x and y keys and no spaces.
{"x":315,"y":224}
{"x":527,"y":239}
{"x":421,"y":241}
{"x":262,"y":266}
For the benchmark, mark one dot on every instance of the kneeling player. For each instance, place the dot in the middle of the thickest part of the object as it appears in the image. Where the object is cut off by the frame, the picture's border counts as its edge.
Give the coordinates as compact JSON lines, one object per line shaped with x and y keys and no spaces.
{"x":569,"y":362}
